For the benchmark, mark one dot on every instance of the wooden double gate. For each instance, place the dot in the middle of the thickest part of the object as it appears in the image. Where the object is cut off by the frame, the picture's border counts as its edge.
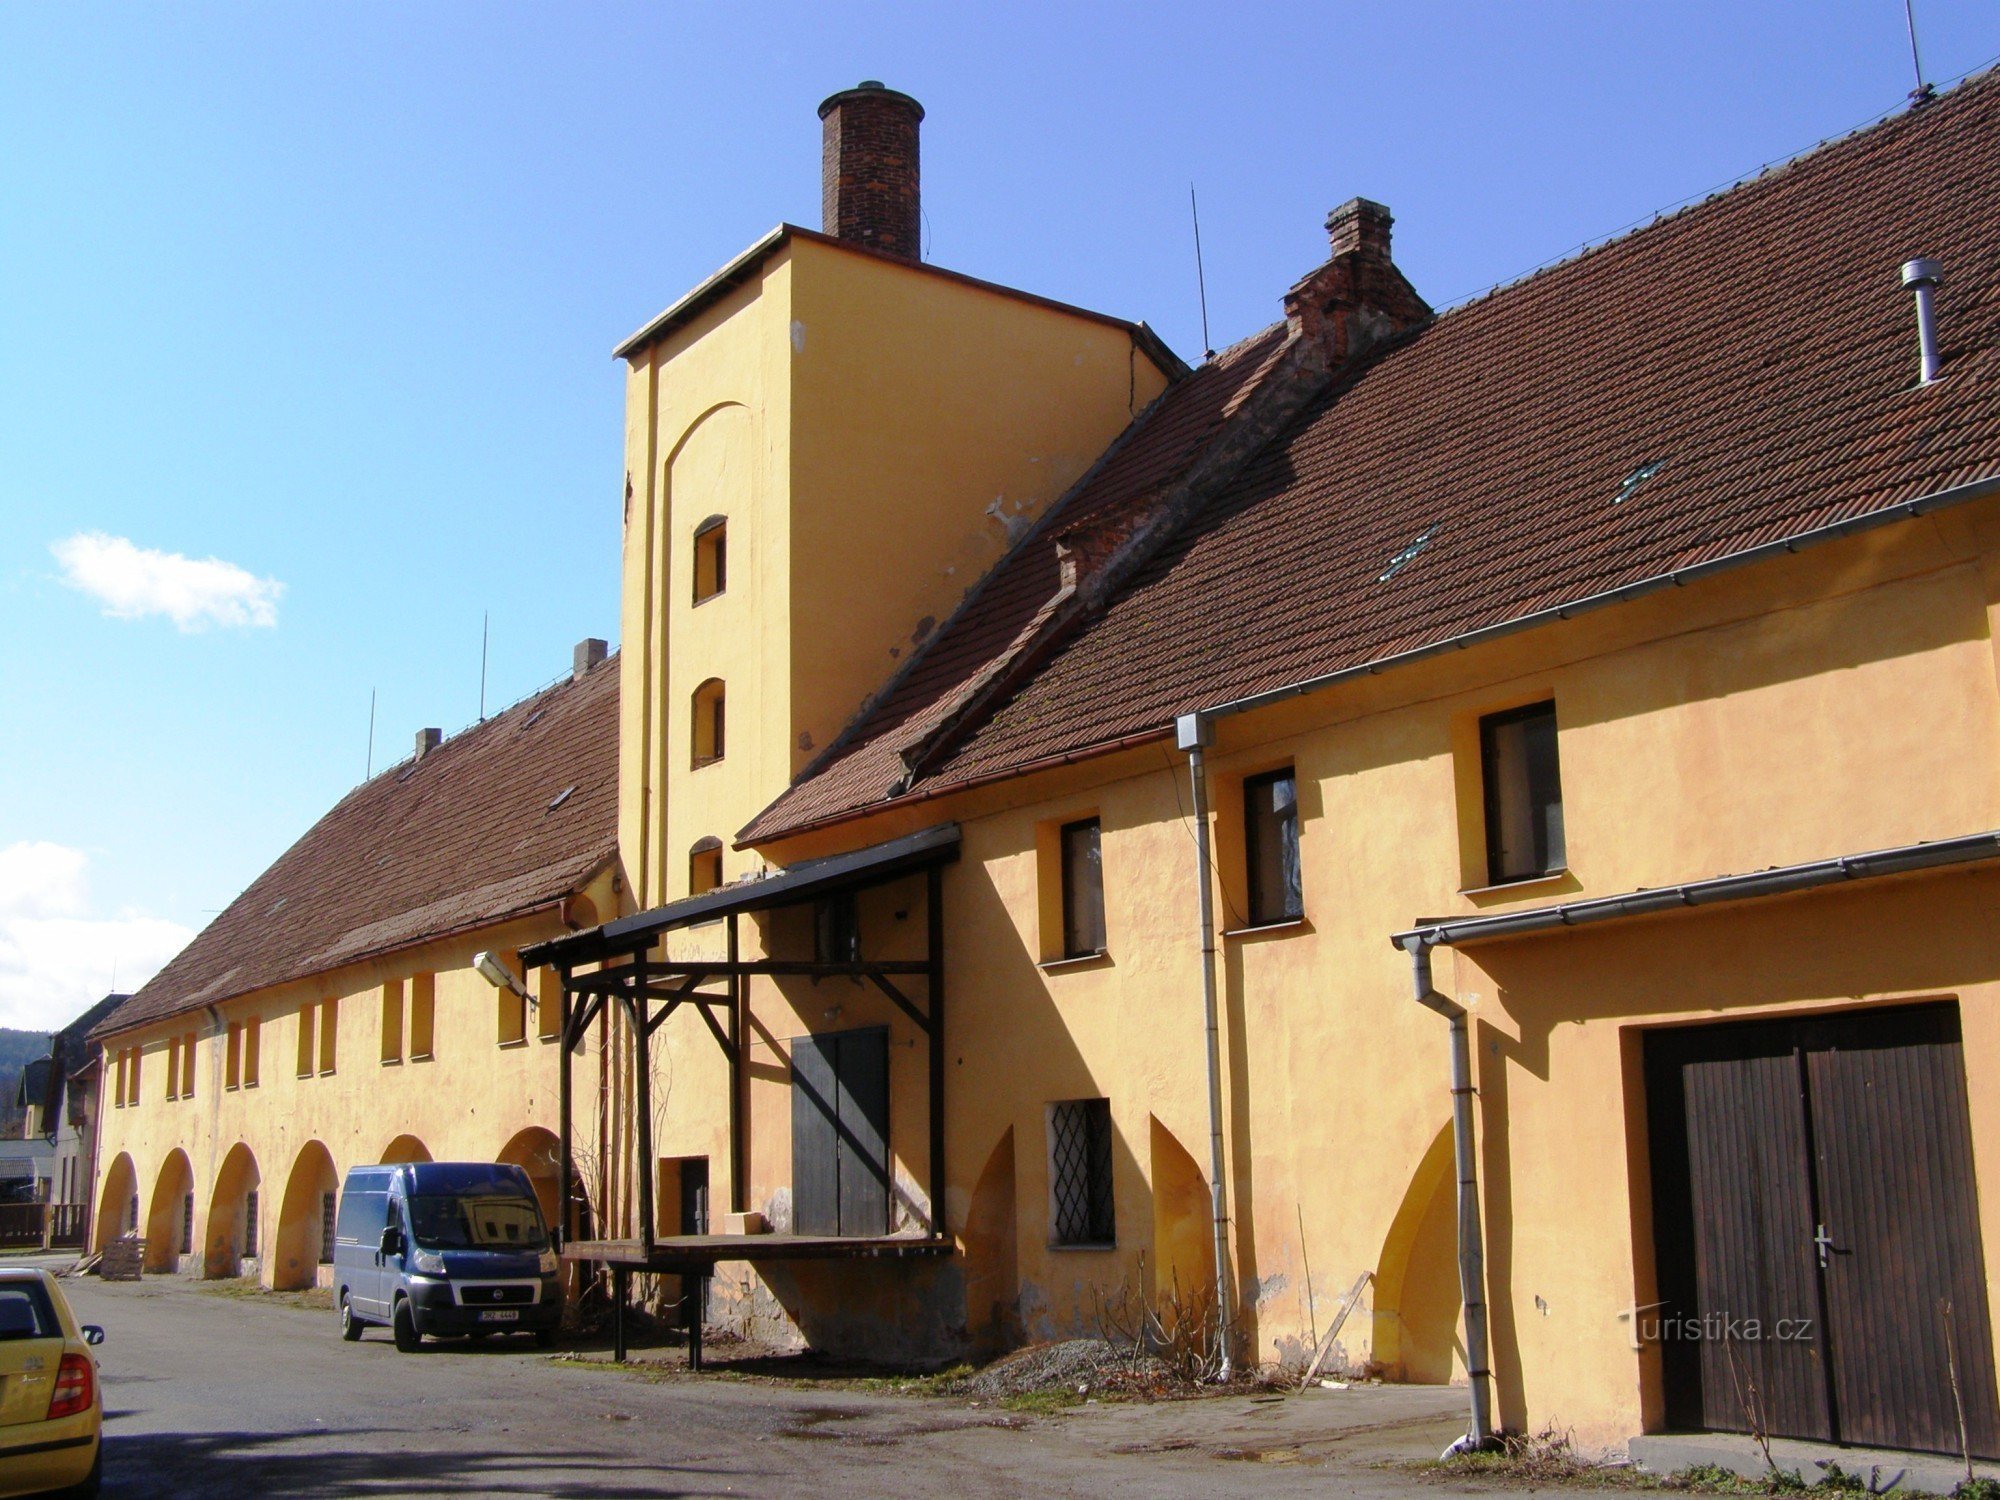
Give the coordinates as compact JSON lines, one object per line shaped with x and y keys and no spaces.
{"x":840,"y":1133}
{"x":1817,"y":1231}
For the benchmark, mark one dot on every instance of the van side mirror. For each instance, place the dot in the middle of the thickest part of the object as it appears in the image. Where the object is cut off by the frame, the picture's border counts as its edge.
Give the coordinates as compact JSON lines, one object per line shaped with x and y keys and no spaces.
{"x":92,"y":1334}
{"x":392,"y":1240}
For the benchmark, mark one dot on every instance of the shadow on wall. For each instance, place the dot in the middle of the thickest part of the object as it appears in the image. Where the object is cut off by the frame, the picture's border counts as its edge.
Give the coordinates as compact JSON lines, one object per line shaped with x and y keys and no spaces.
{"x":301,"y":1220}
{"x":992,"y":1263}
{"x":166,"y":1465}
{"x":167,"y":1226}
{"x":121,"y":1182}
{"x":232,"y":1230}
{"x":907,"y":1312}
{"x":1416,"y":1280}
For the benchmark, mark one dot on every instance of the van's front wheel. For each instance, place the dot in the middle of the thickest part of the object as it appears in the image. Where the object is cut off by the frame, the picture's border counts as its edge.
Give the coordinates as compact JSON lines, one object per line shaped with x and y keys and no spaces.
{"x":407,"y":1337}
{"x":350,"y":1326}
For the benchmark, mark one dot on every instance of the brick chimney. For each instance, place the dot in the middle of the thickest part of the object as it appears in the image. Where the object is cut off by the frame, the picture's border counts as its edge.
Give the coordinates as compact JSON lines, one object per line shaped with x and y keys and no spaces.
{"x":589,"y":652}
{"x":868,"y":169}
{"x":1358,"y":297}
{"x":428,"y":740}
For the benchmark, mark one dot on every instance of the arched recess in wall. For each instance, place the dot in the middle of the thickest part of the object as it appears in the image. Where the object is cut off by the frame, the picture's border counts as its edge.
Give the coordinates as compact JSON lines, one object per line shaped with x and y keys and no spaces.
{"x":1416,"y":1280}
{"x":234,"y":1214}
{"x":708,"y":712}
{"x":302,"y":1219}
{"x":1183,"y":1258}
{"x":169,"y":1230}
{"x":704,"y":865}
{"x":405,"y":1148}
{"x":538,"y":1153}
{"x":114,"y":1202}
{"x":992,"y":1275}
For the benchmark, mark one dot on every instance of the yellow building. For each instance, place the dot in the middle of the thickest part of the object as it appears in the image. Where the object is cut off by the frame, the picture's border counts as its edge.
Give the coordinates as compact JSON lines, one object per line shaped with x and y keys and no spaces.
{"x":330,"y":1016}
{"x":1607,"y":664}
{"x":1092,"y":822}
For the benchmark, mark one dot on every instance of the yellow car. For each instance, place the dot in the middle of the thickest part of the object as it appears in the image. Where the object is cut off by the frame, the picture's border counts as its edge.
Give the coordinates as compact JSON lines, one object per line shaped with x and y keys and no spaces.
{"x":51,"y":1412}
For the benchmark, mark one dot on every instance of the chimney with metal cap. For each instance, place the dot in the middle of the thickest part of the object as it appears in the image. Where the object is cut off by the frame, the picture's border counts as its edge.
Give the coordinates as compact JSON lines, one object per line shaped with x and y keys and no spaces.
{"x":868,"y":169}
{"x":428,"y":740}
{"x":1924,"y":277}
{"x":588,"y":653}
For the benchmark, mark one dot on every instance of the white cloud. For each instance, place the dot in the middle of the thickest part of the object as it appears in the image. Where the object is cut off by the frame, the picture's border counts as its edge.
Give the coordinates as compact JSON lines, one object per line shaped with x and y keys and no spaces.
{"x":58,"y":958}
{"x":133,"y":582}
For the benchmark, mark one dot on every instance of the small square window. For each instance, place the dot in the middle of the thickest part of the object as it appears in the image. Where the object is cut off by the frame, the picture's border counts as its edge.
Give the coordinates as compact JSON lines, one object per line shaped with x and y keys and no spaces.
{"x":836,"y":930}
{"x":1523,"y":791}
{"x":1082,"y":889}
{"x":1271,"y":847}
{"x":1081,"y":1211}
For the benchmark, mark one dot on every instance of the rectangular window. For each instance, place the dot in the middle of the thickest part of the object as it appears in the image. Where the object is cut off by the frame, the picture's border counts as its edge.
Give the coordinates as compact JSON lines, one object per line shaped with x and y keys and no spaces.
{"x":392,"y":1021}
{"x":1271,"y":847}
{"x":329,"y":1031}
{"x":250,"y":1222}
{"x":187,"y":1223}
{"x":327,"y":1204}
{"x":1524,"y":810}
{"x":118,"y":1081}
{"x":138,"y":1054}
{"x":423,"y":1015}
{"x":711,"y":558}
{"x":187,"y":1066}
{"x":548,"y":1005}
{"x":232,"y":1057}
{"x":251,"y":1030}
{"x":1080,"y":1204}
{"x":1082,"y":889}
{"x":513,"y":1013}
{"x":173,"y":1067}
{"x":836,"y":930}
{"x":306,"y":1054}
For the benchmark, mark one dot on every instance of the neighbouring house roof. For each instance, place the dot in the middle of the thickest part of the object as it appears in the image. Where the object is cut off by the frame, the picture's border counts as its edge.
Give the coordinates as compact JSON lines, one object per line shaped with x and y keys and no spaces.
{"x":506,"y":818}
{"x":33,"y":1085}
{"x":752,"y":261}
{"x":1757,"y":348}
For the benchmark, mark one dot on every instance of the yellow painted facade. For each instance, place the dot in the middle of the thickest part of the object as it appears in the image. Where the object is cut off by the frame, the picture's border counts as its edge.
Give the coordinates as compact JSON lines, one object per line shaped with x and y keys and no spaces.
{"x":1833,"y":702}
{"x":409,"y":1057}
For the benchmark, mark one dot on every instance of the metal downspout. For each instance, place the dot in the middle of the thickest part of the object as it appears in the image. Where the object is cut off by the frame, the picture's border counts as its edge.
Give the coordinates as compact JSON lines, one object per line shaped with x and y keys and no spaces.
{"x":1471,"y":1253}
{"x":1192,"y":731}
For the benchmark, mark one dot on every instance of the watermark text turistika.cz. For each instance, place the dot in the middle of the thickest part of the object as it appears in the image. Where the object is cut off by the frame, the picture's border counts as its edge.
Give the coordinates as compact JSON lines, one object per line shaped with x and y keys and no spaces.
{"x":1649,"y":1325}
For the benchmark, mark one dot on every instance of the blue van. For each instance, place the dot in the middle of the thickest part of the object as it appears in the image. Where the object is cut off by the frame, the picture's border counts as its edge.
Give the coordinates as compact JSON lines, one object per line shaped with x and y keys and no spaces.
{"x":444,"y":1248}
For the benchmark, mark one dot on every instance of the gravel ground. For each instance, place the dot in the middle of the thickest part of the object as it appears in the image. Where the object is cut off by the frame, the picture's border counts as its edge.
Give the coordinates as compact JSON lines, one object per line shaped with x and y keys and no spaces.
{"x":210,"y":1395}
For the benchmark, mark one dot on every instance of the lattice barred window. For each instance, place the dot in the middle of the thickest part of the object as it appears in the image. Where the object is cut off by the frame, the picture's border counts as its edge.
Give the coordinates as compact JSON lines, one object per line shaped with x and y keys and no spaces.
{"x":250,"y":1222}
{"x":187,"y":1223}
{"x":1080,"y":1172}
{"x":327,"y":1202}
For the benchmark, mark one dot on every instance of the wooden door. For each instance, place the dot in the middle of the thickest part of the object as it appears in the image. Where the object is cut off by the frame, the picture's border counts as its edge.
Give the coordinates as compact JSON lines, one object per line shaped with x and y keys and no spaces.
{"x":1815,"y":1215}
{"x":1737,"y":1270}
{"x":1893,"y":1161}
{"x":840,"y":1133}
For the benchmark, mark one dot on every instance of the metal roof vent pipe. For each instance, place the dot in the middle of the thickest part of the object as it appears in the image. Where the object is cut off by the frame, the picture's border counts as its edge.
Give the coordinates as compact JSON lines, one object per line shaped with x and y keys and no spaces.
{"x":1925,"y":276}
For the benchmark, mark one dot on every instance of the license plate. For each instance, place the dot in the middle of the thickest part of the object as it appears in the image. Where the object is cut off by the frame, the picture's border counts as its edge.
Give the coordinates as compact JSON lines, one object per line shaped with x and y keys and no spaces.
{"x":511,"y":1315}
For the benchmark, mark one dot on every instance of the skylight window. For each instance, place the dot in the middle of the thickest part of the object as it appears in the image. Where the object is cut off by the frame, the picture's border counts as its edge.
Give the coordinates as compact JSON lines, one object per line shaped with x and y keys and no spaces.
{"x":561,"y":797}
{"x":1404,"y":558}
{"x":1637,"y":477}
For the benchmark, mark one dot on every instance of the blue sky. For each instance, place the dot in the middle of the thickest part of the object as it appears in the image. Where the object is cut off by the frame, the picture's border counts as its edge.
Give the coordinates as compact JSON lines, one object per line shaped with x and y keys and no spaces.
{"x":327,"y":294}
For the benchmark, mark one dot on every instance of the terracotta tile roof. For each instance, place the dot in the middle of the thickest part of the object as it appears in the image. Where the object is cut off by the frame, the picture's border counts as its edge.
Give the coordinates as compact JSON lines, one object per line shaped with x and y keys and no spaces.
{"x":470,"y":834}
{"x":1757,"y":346}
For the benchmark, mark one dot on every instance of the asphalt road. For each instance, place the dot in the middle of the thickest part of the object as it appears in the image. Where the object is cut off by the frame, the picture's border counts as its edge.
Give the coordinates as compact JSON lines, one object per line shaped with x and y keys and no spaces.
{"x":209,"y":1395}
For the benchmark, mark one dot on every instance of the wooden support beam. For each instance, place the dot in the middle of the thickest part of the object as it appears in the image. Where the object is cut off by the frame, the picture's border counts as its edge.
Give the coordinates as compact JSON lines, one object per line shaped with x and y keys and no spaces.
{"x":641,"y":1041}
{"x":803,"y":967}
{"x":564,"y":1107}
{"x":903,"y":1002}
{"x":739,"y":1190}
{"x":934,"y":955}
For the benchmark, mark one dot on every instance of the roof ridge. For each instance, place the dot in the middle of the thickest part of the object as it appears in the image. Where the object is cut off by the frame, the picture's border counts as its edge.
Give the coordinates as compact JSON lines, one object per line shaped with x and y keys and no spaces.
{"x":1948,"y":95}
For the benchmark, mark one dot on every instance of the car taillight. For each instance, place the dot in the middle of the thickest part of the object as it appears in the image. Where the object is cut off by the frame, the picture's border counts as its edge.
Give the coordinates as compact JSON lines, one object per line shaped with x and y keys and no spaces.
{"x":76,"y":1387}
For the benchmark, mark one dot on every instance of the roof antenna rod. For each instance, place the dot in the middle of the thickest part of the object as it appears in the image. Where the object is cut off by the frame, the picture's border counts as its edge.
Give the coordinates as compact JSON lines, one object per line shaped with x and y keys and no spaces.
{"x":484,"y":615}
{"x":369,"y":774}
{"x":1200,"y":280}
{"x":1923,"y":92}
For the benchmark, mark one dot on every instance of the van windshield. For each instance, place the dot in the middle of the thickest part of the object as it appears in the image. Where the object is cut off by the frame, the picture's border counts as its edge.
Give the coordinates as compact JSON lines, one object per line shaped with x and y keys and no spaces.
{"x":477,"y":1222}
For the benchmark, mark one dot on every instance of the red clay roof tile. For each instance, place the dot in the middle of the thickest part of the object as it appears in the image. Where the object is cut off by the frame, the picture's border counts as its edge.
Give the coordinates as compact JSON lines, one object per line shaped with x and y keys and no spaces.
{"x":1758,"y":346}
